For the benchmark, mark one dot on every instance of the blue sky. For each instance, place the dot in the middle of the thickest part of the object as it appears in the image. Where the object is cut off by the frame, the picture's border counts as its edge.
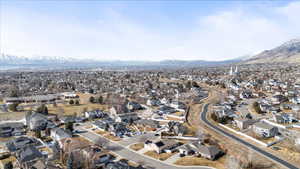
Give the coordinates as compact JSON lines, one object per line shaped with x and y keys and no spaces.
{"x":146,"y":30}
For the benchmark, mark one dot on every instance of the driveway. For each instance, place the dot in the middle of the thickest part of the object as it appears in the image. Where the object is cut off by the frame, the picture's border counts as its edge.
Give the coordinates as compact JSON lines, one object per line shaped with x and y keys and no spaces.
{"x":132,"y":155}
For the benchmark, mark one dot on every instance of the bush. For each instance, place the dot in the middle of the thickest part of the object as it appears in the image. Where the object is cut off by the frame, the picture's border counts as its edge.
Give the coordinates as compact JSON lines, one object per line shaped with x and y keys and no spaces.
{"x":71,"y":102}
{"x":92,"y":99}
{"x":77,"y":102}
{"x":257,"y":108}
{"x":42,"y":109}
{"x":13,"y":107}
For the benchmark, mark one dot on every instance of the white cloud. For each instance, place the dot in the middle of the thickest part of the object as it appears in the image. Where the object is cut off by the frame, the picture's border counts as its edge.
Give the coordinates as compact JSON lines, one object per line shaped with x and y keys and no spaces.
{"x":222,"y":35}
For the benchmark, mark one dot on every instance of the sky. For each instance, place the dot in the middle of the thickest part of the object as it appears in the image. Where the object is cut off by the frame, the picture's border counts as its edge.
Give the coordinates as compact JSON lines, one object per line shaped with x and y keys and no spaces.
{"x":146,"y":30}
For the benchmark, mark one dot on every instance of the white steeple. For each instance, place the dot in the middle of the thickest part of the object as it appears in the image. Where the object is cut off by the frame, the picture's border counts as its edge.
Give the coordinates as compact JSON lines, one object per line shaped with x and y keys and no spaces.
{"x":231,"y":71}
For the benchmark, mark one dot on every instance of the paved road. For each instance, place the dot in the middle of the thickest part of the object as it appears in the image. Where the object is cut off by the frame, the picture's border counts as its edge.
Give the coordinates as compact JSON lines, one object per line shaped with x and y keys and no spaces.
{"x":251,"y":146}
{"x":132,"y":155}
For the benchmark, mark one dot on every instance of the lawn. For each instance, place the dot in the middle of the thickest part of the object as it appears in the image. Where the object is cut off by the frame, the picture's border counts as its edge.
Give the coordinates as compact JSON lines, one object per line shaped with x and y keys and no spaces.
{"x":162,"y":156}
{"x":137,"y":146}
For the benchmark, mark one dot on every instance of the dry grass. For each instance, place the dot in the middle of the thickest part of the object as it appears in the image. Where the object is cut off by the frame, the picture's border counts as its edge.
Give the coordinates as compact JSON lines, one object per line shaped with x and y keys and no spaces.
{"x":289,"y":151}
{"x":9,"y":159}
{"x":194,"y":161}
{"x":12,"y":116}
{"x":173,"y":118}
{"x":137,"y":146}
{"x":66,"y":109}
{"x":107,"y":135}
{"x":162,"y":156}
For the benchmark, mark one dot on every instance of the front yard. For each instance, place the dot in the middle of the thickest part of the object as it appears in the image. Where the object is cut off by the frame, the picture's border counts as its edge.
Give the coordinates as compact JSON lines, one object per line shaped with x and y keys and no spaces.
{"x":162,"y":156}
{"x":137,"y":146}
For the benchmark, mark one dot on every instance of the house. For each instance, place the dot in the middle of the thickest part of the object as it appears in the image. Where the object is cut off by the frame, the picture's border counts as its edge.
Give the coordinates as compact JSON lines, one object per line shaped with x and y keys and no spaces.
{"x":166,"y":110}
{"x":277,"y":99}
{"x":36,"y":121}
{"x":177,"y":128}
{"x":180,"y":106}
{"x":246,"y":94}
{"x":129,"y":117}
{"x":198,"y":149}
{"x":161,"y":146}
{"x":209,"y":152}
{"x":118,"y":128}
{"x":133,"y":106}
{"x":94,"y":156}
{"x":264,"y":129}
{"x":244,"y":123}
{"x":70,"y":95}
{"x":59,"y":134}
{"x":283,"y":118}
{"x":153,"y":102}
{"x":68,"y":119}
{"x":295,"y":100}
{"x":28,"y":156}
{"x":12,"y":129}
{"x":20,"y":142}
{"x":94,"y":114}
{"x":119,"y":109}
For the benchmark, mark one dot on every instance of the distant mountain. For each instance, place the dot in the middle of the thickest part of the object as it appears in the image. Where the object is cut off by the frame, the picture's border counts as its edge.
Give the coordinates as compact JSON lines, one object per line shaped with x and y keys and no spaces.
{"x":16,"y":62}
{"x":289,"y":52}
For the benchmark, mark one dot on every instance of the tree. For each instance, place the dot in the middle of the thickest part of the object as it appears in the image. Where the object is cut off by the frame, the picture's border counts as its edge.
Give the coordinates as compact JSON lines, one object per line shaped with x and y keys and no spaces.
{"x":100,"y":100}
{"x":91,"y":91}
{"x":76,"y":102}
{"x":189,"y":84}
{"x":13,"y":107}
{"x":92,"y":99}
{"x":195,"y":84}
{"x":37,"y":134}
{"x":70,"y":161}
{"x":71,"y":102}
{"x":8,"y":165}
{"x":14,"y":93}
{"x":69,"y":126}
{"x":257,"y":108}
{"x":42,"y":109}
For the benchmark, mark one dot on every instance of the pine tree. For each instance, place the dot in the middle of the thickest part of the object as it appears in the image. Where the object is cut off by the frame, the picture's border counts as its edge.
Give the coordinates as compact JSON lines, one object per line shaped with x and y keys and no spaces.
{"x":70,"y":162}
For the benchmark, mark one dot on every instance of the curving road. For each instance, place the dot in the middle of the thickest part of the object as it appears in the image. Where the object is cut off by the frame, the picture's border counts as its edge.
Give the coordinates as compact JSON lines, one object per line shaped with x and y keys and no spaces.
{"x":203,"y":116}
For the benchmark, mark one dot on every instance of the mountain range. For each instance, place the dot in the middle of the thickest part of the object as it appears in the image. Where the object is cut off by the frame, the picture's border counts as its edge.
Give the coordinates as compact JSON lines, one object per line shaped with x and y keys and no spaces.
{"x":15,"y":62}
{"x":289,"y":52}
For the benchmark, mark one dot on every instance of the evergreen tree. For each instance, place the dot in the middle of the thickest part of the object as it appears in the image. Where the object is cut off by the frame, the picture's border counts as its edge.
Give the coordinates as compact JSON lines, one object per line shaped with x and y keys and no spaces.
{"x":42,"y":109}
{"x":13,"y":107}
{"x":8,"y":165}
{"x":92,"y":99}
{"x":100,"y":100}
{"x":70,"y":161}
{"x":69,"y":126}
{"x":71,"y":102}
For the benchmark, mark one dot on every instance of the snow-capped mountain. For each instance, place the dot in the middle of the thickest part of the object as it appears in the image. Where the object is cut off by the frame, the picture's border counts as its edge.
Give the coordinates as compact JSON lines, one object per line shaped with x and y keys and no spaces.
{"x":288,"y":52}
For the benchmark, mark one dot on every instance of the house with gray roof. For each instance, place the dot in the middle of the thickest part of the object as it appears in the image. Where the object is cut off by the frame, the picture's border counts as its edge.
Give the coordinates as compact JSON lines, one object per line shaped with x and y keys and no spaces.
{"x":264,"y":130}
{"x":28,"y":156}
